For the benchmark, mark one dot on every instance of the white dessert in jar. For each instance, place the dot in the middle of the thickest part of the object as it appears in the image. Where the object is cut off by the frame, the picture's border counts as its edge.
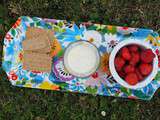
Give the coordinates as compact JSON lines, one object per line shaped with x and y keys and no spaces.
{"x":81,"y":58}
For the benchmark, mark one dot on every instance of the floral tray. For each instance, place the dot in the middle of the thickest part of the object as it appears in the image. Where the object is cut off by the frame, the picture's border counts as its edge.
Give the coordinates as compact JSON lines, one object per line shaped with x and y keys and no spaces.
{"x":105,"y":39}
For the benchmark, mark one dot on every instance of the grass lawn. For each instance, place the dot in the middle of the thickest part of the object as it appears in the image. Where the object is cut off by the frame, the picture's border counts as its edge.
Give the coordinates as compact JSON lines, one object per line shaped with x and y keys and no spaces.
{"x":32,"y":104}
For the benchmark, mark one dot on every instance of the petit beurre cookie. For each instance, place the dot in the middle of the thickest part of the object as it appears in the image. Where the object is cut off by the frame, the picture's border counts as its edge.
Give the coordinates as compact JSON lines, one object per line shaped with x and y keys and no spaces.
{"x":36,"y":47}
{"x":37,"y":62}
{"x":37,"y":39}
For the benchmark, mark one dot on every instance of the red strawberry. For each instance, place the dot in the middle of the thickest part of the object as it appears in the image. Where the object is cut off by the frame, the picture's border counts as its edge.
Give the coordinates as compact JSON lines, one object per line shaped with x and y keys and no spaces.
{"x":131,"y":78}
{"x":121,"y":74}
{"x":135,"y":58}
{"x":129,"y":68}
{"x":140,"y":77}
{"x":147,"y":56}
{"x":119,"y":63}
{"x":125,"y":53}
{"x":133,"y":48}
{"x":145,"y":68}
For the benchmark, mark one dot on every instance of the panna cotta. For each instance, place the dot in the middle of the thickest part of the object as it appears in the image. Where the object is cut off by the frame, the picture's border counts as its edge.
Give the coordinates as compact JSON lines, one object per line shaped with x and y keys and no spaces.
{"x":81,"y":58}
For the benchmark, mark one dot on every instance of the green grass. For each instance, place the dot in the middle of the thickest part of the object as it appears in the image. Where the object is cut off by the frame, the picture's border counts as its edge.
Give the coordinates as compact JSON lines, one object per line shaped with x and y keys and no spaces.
{"x":27,"y":104}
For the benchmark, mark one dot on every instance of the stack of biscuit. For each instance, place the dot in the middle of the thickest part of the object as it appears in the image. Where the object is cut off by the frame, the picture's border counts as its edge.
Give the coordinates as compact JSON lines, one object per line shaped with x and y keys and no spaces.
{"x":37,"y":48}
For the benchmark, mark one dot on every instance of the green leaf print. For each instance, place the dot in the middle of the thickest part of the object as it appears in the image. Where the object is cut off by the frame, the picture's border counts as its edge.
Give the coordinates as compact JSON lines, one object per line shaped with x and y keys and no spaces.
{"x":60,"y":53}
{"x":21,"y":82}
{"x":56,"y":28}
{"x":63,"y":30}
{"x":140,"y":94}
{"x":126,"y":91}
{"x":48,"y":25}
{"x":61,"y":84}
{"x":92,"y":27}
{"x":32,"y":24}
{"x":113,"y":30}
{"x":18,"y":83}
{"x":104,"y":30}
{"x":60,"y":24}
{"x":157,"y":76}
{"x":116,"y":94}
{"x":91,"y":90}
{"x":35,"y":19}
{"x":32,"y":81}
{"x":38,"y":24}
{"x":13,"y":32}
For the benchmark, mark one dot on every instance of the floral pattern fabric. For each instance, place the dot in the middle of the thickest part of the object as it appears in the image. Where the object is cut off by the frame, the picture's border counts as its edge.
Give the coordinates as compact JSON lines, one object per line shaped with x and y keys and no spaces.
{"x":104,"y":37}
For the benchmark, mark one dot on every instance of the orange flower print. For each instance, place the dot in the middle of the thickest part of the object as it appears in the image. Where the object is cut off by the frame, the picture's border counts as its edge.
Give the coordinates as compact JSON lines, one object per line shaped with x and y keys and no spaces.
{"x":56,"y":48}
{"x":18,"y":22}
{"x":104,"y":67}
{"x":55,"y":87}
{"x":109,"y":27}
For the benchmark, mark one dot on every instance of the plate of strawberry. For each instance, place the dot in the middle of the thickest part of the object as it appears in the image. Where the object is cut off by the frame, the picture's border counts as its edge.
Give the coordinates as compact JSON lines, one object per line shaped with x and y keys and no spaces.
{"x":133,"y":64}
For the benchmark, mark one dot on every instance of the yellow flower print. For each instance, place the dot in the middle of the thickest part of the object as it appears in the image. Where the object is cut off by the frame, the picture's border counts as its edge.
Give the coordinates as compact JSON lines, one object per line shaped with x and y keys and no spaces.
{"x":78,"y":37}
{"x":28,"y":85}
{"x":48,"y":86}
{"x":153,"y":40}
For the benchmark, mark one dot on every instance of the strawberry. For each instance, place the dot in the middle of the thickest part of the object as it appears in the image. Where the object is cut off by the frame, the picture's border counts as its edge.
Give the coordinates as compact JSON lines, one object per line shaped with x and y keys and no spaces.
{"x":122,"y":74}
{"x":135,"y":58}
{"x":140,"y":77}
{"x":125,"y":53}
{"x":131,"y":78}
{"x":118,"y":69}
{"x":145,"y":68}
{"x":129,"y":68}
{"x":147,"y":56}
{"x":133,"y":48}
{"x":119,"y":63}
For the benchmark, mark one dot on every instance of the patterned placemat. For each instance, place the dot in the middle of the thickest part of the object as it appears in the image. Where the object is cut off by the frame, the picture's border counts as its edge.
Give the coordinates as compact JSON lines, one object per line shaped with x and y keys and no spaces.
{"x":104,"y":37}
